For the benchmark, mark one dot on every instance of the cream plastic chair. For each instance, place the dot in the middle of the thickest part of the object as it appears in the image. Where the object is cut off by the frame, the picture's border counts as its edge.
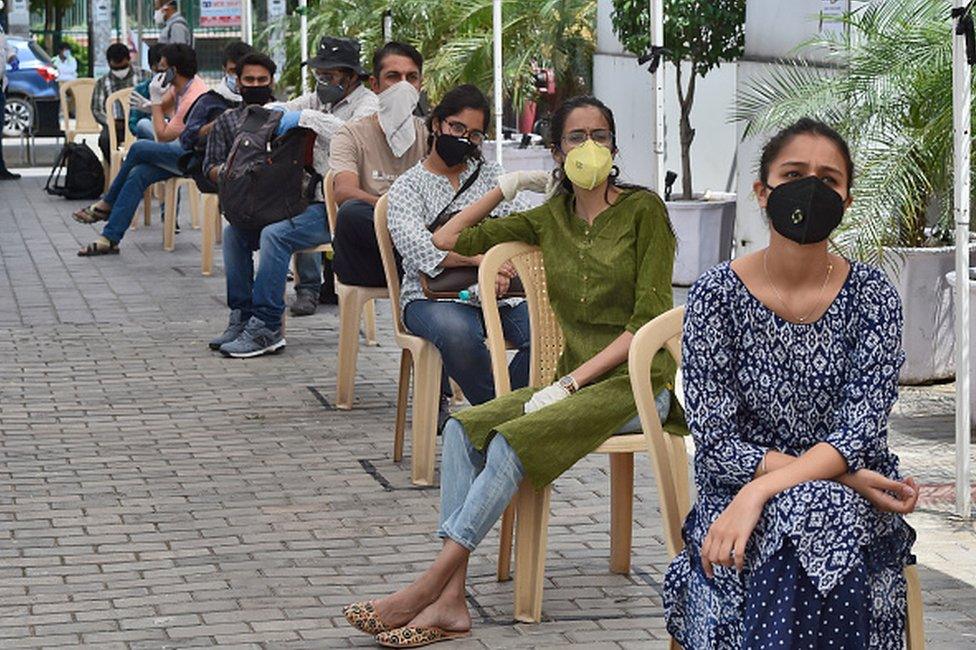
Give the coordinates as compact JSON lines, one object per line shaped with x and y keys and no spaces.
{"x":117,"y":150}
{"x":170,"y":187}
{"x":532,"y":505}
{"x":212,"y":227}
{"x":81,"y":91}
{"x":419,"y":356}
{"x":355,"y":303}
{"x":670,"y":458}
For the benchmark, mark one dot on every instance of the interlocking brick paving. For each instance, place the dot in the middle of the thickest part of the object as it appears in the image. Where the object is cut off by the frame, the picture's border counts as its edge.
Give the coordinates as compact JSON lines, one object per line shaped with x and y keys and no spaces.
{"x":154,"y":494}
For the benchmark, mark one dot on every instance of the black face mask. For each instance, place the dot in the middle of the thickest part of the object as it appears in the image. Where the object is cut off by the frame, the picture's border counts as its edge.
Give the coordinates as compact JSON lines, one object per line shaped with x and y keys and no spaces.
{"x":329,"y":94}
{"x":454,"y":150}
{"x":259,"y":95}
{"x":805,"y":210}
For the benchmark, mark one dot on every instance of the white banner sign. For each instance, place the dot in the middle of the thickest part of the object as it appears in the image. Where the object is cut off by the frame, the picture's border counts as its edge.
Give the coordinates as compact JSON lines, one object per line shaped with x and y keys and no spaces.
{"x":220,"y":13}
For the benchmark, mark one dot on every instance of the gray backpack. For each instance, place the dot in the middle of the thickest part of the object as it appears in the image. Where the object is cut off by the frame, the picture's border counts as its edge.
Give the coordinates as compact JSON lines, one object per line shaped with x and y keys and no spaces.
{"x":267,"y":179}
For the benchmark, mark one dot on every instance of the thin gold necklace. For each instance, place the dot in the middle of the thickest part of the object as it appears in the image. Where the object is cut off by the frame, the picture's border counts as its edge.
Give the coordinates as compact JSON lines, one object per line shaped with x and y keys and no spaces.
{"x":779,"y":296}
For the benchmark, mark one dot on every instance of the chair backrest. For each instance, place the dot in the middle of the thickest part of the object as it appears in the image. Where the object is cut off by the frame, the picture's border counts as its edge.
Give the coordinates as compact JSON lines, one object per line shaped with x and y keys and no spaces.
{"x":328,"y":194}
{"x":81,"y":90}
{"x":385,"y":241}
{"x":120,"y":97}
{"x":546,"y":335}
{"x":667,"y":450}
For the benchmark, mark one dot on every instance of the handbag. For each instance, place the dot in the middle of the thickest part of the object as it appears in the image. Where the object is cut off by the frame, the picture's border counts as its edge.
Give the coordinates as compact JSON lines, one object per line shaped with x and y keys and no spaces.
{"x":453,"y":280}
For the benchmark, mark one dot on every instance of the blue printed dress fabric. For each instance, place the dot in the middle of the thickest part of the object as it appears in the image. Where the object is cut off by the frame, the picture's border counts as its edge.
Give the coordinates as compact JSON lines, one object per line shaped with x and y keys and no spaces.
{"x":755,"y":382}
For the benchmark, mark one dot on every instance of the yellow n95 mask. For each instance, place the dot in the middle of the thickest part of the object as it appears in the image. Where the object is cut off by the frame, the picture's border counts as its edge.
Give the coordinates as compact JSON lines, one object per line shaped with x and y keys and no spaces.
{"x":588,"y":165}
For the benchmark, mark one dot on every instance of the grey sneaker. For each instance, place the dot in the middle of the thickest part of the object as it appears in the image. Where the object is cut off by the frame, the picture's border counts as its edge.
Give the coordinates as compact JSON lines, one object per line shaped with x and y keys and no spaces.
{"x":305,"y":304}
{"x":255,"y":340}
{"x":235,"y":325}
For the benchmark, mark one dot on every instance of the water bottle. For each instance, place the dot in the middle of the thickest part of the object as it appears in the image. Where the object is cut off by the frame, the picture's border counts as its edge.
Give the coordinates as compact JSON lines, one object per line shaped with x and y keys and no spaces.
{"x":470,"y":294}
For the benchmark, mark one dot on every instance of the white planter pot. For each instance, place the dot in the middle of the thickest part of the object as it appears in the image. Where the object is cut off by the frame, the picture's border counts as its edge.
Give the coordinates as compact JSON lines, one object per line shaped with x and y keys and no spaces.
{"x":951,"y":281}
{"x":704,"y":230}
{"x":928,"y":338}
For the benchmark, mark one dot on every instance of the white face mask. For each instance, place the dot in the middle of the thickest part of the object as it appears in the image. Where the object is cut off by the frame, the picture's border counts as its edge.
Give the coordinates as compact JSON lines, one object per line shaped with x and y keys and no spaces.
{"x":120,"y":74}
{"x":159,"y":17}
{"x":397,"y":104}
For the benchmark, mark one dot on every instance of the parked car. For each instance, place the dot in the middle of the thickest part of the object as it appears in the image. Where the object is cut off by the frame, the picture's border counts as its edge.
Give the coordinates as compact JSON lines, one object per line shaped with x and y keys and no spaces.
{"x":32,"y":91}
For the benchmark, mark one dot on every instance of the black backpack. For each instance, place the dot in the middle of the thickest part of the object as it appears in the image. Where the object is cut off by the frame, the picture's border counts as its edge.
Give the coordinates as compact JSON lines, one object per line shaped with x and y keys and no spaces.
{"x":267,"y":179}
{"x":84,"y":177}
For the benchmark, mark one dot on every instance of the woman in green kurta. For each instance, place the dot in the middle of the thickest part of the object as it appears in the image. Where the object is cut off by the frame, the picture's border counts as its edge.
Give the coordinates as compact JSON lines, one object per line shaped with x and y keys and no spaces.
{"x":608,"y":252}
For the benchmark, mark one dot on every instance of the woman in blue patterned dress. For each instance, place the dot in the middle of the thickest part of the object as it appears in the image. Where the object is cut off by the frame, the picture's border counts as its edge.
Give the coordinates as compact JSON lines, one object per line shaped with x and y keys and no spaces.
{"x":790,"y":368}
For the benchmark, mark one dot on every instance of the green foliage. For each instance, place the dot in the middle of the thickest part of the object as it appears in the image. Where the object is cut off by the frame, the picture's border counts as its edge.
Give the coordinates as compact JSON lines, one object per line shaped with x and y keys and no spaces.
{"x":456,"y":40}
{"x":704,"y":32}
{"x":891,"y":97}
{"x":79,"y":51}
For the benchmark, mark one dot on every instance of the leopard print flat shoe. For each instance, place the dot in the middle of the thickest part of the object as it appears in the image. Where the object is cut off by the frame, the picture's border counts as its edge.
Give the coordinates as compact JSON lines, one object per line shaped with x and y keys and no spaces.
{"x":416,"y":637}
{"x":362,"y":616}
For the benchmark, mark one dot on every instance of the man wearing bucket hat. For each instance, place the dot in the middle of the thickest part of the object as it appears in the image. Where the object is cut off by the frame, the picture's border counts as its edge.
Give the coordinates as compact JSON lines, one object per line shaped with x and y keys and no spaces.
{"x":339,"y":96}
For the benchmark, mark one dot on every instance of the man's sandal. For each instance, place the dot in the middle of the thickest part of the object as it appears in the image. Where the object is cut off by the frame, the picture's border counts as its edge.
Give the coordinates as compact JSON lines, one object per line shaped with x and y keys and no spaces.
{"x":100,"y":247}
{"x":362,"y":616}
{"x":416,"y":637}
{"x":91,"y":214}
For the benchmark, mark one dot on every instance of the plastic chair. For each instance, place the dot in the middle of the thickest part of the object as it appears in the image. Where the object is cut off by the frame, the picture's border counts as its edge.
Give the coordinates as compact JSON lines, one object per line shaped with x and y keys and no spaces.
{"x":355,"y":303}
{"x":211,"y":217}
{"x":419,"y":356}
{"x":117,"y":150}
{"x":532,"y":505}
{"x":670,"y":459}
{"x":170,"y":188}
{"x":81,"y":90}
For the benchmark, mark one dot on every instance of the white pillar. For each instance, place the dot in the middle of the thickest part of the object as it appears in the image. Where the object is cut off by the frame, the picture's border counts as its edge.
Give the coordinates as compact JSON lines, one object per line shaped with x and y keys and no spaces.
{"x":498,"y":90}
{"x":247,"y":19}
{"x":303,"y":38}
{"x":657,"y":100}
{"x":123,"y":23}
{"x":961,"y":106}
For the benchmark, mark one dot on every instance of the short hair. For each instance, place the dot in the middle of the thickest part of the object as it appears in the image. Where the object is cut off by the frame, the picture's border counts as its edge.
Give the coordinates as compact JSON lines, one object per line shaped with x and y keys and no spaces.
{"x":182,"y":57}
{"x":117,"y":52}
{"x":256,"y":58}
{"x":155,"y":53}
{"x":235,"y":50}
{"x":396,"y":48}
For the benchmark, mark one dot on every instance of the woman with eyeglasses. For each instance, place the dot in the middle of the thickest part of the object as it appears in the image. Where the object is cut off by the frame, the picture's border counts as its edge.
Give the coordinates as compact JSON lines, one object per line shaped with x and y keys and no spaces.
{"x":608,"y":250}
{"x":453,"y":176}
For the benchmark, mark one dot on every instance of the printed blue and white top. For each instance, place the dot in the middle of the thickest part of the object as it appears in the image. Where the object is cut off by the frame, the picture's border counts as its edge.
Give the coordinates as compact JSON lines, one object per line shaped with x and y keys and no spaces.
{"x":755,"y":382}
{"x":416,"y":198}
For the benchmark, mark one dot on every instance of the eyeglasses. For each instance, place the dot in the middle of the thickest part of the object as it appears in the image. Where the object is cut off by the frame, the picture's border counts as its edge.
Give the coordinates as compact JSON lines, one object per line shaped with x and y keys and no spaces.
{"x":332,"y":77}
{"x":461,"y":130}
{"x":599,"y":136}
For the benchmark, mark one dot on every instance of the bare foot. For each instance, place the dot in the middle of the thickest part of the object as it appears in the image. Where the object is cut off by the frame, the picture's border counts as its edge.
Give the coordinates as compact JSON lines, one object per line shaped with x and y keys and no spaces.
{"x":398,"y":608}
{"x":449,"y":613}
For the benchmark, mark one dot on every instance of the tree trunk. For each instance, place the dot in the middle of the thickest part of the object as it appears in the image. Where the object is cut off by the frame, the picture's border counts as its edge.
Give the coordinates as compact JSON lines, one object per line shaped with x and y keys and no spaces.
{"x":58,"y":24}
{"x":48,"y":14}
{"x":686,"y":133}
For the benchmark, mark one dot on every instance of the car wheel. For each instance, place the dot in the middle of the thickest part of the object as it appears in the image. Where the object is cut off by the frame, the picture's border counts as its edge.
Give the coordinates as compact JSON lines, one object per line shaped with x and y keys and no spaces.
{"x":18,"y":116}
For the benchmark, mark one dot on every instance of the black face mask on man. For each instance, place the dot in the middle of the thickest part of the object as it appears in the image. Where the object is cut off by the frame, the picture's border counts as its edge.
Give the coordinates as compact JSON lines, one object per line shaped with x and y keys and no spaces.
{"x":454,"y":150}
{"x":328,"y":93}
{"x":806,"y":210}
{"x":259,"y":95}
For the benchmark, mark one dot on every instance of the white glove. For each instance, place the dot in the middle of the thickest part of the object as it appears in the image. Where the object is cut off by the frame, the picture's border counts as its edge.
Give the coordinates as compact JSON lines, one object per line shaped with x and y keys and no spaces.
{"x":548,"y":395}
{"x":513,"y":182}
{"x":156,"y":90}
{"x":139,"y":103}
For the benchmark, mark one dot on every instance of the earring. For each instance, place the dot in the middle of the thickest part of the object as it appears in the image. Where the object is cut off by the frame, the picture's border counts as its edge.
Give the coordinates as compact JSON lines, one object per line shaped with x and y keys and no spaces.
{"x":614,"y":172}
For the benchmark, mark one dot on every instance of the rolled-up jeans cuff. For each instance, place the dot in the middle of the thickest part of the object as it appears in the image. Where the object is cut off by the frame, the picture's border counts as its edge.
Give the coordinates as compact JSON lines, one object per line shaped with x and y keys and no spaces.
{"x":457,"y":539}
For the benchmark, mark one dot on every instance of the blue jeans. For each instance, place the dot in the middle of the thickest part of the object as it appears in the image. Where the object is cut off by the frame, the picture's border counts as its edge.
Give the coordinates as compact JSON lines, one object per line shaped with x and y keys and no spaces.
{"x":309,"y":267}
{"x":458,"y":331}
{"x":147,"y":162}
{"x":264,"y":296}
{"x":477,"y":486}
{"x":144,"y":129}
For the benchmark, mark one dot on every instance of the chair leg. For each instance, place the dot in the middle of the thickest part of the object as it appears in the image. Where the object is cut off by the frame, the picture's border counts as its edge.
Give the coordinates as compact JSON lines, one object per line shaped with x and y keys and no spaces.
{"x":369,"y":322}
{"x":914,"y":623}
{"x":169,"y":216}
{"x":349,"y":316}
{"x":621,"y":511}
{"x":403,"y":390}
{"x":194,"y":196}
{"x":457,"y":396}
{"x":147,"y":198}
{"x":207,"y":244}
{"x":504,"y":572}
{"x":426,"y":397}
{"x":531,"y":537}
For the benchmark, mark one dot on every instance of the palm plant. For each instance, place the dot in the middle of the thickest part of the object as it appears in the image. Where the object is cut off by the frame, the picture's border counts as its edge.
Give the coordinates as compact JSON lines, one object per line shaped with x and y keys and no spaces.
{"x":891,"y":97}
{"x":456,"y":40}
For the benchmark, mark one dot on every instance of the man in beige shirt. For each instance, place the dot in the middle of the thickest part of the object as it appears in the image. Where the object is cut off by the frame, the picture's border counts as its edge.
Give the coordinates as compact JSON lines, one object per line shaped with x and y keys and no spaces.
{"x":368,"y":154}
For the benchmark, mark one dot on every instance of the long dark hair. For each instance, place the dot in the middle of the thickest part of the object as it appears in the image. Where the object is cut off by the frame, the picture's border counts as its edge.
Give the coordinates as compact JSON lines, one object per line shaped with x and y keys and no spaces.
{"x":804,"y":126}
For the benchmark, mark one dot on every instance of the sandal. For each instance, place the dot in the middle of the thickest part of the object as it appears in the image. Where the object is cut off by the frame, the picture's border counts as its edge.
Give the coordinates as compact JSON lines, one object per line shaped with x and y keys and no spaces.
{"x":416,"y":637}
{"x":91,"y":214}
{"x":362,"y":616}
{"x":101,"y":247}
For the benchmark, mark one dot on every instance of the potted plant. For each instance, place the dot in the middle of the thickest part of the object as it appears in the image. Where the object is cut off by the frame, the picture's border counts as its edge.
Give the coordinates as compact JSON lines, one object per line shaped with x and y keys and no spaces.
{"x":701,"y":35}
{"x":890,"y":95}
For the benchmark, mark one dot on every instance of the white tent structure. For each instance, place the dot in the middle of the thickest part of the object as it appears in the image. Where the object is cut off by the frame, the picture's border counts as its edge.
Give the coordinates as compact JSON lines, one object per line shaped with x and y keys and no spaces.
{"x":497,"y":90}
{"x":962,"y":106}
{"x":657,"y":92}
{"x":303,"y":39}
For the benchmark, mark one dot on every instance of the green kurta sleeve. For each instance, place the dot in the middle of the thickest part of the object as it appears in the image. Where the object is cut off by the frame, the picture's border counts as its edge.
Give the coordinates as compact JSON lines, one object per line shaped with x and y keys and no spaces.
{"x":520,"y":226}
{"x":655,"y":260}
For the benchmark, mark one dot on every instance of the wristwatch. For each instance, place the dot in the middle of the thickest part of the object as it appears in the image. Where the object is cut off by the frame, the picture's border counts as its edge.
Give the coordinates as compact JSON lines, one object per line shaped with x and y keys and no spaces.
{"x":569,"y":384}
